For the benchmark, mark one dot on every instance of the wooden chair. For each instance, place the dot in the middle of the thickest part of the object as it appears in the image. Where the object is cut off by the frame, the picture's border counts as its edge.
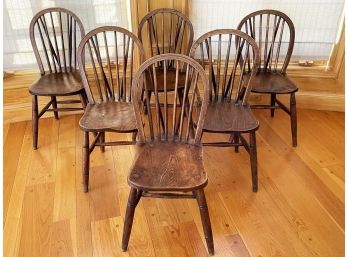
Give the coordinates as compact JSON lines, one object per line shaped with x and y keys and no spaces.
{"x":231,"y":70}
{"x":163,"y":31}
{"x":169,"y":160}
{"x":275,"y":34}
{"x":112,"y":53}
{"x":58,"y":32}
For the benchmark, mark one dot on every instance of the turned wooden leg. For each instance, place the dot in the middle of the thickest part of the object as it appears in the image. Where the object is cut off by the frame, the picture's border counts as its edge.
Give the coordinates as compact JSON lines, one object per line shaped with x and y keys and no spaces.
{"x":145,"y":101}
{"x":35,"y":121}
{"x":102,"y":140}
{"x":54,"y":104}
{"x":85,"y":154}
{"x":253,"y":160}
{"x":273,"y":100}
{"x":133,"y":200}
{"x":293,"y":117}
{"x":235,"y":139}
{"x":203,"y":208}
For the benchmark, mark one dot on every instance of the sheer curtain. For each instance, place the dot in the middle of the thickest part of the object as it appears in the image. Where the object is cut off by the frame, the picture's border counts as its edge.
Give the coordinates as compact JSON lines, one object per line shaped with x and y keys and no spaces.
{"x":316,"y":21}
{"x":18,"y":53}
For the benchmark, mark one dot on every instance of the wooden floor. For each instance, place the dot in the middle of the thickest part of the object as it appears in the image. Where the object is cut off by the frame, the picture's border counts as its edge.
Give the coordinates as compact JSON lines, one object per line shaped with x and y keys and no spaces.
{"x":298,"y":210}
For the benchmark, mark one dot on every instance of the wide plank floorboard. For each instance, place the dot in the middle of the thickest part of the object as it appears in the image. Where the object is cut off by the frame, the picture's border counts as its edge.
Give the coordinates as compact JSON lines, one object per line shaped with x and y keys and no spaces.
{"x":298,"y":210}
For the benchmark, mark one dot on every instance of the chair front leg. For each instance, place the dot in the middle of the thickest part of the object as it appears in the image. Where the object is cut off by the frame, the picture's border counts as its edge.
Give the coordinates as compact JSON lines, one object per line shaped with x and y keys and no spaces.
{"x":35,"y":121}
{"x":253,"y":160}
{"x":85,"y":154}
{"x":54,"y":105}
{"x":273,"y":100}
{"x":203,"y":208}
{"x":133,"y":200}
{"x":293,"y":118}
{"x":84,"y":100}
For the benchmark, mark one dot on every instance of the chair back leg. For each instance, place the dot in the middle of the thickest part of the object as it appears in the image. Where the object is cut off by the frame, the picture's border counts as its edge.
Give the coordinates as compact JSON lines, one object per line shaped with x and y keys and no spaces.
{"x":293,"y":117}
{"x":85,"y":156}
{"x":253,"y":160}
{"x":35,"y":121}
{"x":54,"y":104}
{"x":273,"y":101}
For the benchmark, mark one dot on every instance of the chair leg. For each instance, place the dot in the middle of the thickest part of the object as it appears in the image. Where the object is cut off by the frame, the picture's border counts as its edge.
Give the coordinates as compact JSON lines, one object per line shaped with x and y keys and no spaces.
{"x":102,"y":140}
{"x":145,"y":102}
{"x":234,"y":138}
{"x":293,"y":117}
{"x":273,"y":99}
{"x":253,"y":160}
{"x":203,"y":208}
{"x":85,"y":154}
{"x":35,"y":121}
{"x":54,"y":104}
{"x":133,"y":200}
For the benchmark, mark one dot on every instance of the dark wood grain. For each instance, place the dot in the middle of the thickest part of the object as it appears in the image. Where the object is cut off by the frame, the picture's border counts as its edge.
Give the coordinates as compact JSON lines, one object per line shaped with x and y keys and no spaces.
{"x":58,"y":66}
{"x":165,"y":30}
{"x":269,"y":28}
{"x":169,"y":157}
{"x":110,"y":50}
{"x":231,"y":74}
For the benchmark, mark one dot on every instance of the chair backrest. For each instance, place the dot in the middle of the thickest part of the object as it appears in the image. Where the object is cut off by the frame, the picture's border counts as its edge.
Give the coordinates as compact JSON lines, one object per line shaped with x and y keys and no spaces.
{"x":112,"y":55}
{"x":166,"y":30}
{"x":166,"y":120}
{"x":275,"y":34}
{"x":55,"y":34}
{"x":232,"y":59}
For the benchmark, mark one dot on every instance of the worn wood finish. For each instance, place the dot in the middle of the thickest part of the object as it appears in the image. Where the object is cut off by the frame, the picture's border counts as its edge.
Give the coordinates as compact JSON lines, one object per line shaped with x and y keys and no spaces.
{"x":111,"y":51}
{"x":54,"y":35}
{"x":275,"y":33}
{"x":169,"y":158}
{"x":162,"y":31}
{"x":305,"y":219}
{"x":224,"y":53}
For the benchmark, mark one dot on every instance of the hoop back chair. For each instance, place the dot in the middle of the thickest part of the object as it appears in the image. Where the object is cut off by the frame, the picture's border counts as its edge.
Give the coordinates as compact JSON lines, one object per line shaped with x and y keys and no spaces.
{"x":55,"y":34}
{"x":169,"y":158}
{"x":112,"y":53}
{"x":275,"y":34}
{"x":164,"y":31}
{"x":232,"y":59}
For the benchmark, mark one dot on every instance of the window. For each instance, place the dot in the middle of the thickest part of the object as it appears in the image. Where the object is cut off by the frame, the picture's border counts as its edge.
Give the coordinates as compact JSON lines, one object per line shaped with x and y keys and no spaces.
{"x":18,"y":53}
{"x":316,"y":22}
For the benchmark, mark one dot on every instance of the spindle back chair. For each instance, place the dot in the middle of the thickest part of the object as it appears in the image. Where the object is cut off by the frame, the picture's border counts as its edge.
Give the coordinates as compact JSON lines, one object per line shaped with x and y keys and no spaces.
{"x":275,"y":34}
{"x":108,"y":57}
{"x":232,"y":59}
{"x":169,"y":158}
{"x":54,"y":35}
{"x":164,"y":31}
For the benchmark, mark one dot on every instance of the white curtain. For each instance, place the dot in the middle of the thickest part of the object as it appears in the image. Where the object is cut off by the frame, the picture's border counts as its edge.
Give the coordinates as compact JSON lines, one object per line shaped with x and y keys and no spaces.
{"x":18,"y":53}
{"x":316,"y":21}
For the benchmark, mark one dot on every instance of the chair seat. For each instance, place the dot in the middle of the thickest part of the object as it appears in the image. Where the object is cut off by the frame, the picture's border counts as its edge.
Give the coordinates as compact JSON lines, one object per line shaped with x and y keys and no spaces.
{"x":168,"y":166}
{"x":109,"y":116}
{"x":171,"y":76}
{"x":229,"y":117}
{"x":271,"y":82}
{"x":57,"y":84}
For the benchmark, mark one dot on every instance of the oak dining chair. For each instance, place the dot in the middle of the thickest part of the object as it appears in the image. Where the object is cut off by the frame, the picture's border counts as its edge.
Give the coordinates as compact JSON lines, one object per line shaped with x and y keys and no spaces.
{"x":169,"y":159}
{"x":55,"y":34}
{"x":231,"y":58}
{"x":112,"y":54}
{"x":275,"y":34}
{"x":163,"y":31}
